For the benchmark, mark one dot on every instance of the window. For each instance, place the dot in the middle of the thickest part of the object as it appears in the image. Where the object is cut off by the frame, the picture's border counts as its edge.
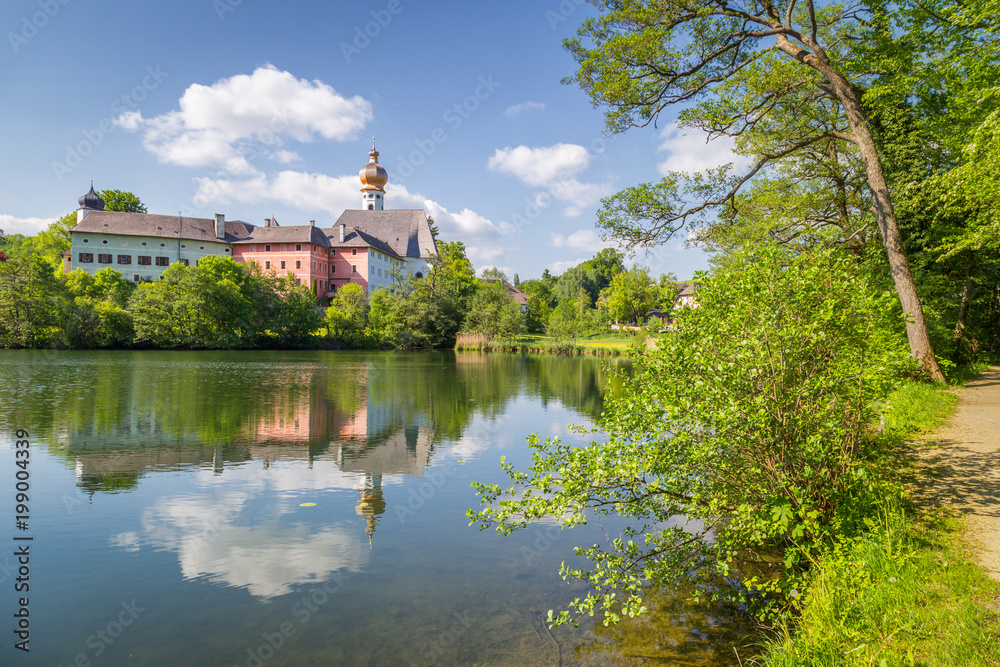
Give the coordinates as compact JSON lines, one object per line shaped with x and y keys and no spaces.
{"x":124,"y":259}
{"x":298,"y":247}
{"x":201,"y":247}
{"x":314,"y":266}
{"x":86,"y":258}
{"x":267,"y":265}
{"x":354,"y":268}
{"x":333,"y":268}
{"x":162,"y":261}
{"x":354,"y":251}
{"x":124,"y":242}
{"x":183,"y":261}
{"x":103,"y":259}
{"x":136,"y":278}
{"x":380,"y":273}
{"x":298,"y":264}
{"x":145,"y":260}
{"x":183,"y":245}
{"x":163,"y":245}
{"x":267,"y":248}
{"x":105,"y":242}
{"x":86,"y":240}
{"x":282,"y":263}
{"x":144,"y":244}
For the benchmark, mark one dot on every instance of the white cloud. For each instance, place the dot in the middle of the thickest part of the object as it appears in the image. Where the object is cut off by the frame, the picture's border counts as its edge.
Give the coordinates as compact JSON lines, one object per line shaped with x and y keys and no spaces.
{"x":690,"y":152}
{"x":557,"y":268}
{"x":518,"y":109}
{"x":554,"y":168}
{"x":319,"y":192}
{"x":584,"y":240}
{"x":232,"y":121}
{"x":27,"y":226}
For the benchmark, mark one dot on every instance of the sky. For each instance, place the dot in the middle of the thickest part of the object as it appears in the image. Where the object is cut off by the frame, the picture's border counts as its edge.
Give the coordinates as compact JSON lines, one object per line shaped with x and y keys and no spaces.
{"x":259,"y":109}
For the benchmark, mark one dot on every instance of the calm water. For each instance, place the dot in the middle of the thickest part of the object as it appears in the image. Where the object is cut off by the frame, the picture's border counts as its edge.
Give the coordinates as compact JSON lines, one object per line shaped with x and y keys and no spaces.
{"x":300,"y":508}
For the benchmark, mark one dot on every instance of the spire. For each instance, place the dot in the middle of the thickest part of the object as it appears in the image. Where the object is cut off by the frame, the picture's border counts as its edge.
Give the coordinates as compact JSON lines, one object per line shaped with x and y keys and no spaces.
{"x":373,"y":179}
{"x":92,"y":200}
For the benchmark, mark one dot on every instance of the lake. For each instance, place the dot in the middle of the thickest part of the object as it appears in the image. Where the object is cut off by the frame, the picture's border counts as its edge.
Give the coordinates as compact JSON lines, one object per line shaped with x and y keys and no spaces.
{"x":301,"y":508}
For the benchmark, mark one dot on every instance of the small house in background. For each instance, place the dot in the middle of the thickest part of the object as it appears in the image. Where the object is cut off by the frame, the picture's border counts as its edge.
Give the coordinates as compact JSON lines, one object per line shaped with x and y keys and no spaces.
{"x":517,"y":296}
{"x":687,"y":296}
{"x":657,"y":316}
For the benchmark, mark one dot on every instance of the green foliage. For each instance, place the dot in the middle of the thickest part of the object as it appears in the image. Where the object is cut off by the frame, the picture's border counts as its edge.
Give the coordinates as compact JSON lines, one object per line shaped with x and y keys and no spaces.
{"x":630,"y":295}
{"x":427,"y":311}
{"x":94,"y":312}
{"x":29,"y":297}
{"x":753,"y":419}
{"x":222,"y":304}
{"x":493,"y":313}
{"x":119,"y":200}
{"x":349,"y":310}
{"x":902,"y":593}
{"x":573,"y":318}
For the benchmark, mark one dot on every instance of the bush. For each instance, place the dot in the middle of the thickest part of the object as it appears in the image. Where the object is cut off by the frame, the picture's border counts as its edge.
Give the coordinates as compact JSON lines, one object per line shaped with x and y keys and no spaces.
{"x":753,"y":419}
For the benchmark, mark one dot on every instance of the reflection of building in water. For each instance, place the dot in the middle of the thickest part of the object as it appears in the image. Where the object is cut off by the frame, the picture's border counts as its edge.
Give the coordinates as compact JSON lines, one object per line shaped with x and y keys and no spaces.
{"x":371,"y":504}
{"x":371,"y":430}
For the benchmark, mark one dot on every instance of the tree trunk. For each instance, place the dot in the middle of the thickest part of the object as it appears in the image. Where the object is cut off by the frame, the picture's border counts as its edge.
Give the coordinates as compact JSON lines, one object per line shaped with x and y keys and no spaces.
{"x":963,"y":310}
{"x":885,"y":216}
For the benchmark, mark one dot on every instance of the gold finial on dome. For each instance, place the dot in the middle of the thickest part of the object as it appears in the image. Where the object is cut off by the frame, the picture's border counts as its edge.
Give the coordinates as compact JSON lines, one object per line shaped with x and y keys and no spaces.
{"x":373,"y":175}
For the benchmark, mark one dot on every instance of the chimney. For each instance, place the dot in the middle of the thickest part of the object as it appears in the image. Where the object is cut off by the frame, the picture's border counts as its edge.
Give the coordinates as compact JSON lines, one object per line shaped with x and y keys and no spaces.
{"x":267,"y":222}
{"x":312,"y":223}
{"x":342,"y":232}
{"x":220,"y":225}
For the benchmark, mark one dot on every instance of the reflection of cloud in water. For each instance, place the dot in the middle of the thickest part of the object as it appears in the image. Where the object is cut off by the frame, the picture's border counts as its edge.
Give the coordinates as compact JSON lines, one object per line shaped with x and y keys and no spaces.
{"x":267,"y":560}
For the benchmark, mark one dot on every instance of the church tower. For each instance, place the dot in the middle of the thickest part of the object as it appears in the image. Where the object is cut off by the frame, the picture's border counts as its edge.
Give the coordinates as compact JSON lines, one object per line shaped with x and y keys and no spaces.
{"x":373,"y":179}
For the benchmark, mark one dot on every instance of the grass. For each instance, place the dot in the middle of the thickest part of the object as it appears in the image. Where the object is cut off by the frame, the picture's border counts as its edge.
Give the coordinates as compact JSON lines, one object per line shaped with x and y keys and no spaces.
{"x":906,"y":591}
{"x":601,"y":344}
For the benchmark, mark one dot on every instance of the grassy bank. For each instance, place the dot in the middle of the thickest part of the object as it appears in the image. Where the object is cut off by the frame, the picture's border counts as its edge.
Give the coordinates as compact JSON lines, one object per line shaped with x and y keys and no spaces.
{"x":600,"y":344}
{"x":905,"y":592}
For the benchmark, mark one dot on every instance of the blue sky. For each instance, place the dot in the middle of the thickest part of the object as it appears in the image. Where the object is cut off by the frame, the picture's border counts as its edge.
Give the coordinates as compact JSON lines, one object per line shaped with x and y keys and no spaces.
{"x":253,"y":108}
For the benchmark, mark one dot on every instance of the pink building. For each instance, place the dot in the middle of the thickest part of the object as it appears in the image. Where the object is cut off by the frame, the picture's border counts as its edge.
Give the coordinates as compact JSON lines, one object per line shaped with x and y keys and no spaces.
{"x":302,"y":250}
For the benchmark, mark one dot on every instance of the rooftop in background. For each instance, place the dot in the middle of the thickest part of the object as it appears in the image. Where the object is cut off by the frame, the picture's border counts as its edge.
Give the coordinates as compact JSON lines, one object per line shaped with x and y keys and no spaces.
{"x":162,"y":226}
{"x":406,"y":231}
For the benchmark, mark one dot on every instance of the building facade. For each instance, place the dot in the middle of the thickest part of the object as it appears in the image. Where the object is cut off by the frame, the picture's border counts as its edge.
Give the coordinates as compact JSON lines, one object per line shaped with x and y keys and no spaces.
{"x":367,"y":247}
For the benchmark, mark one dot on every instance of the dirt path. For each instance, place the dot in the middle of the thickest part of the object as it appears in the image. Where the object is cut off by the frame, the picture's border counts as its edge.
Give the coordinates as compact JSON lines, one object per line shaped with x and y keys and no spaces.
{"x":964,"y":460}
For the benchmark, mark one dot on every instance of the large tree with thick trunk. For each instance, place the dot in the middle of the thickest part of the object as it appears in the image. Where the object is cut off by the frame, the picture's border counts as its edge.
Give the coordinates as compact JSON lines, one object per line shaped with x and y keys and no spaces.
{"x":782,"y":78}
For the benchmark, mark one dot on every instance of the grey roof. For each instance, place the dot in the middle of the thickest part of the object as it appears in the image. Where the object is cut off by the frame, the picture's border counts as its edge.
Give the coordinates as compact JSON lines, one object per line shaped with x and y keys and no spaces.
{"x":287,"y":234}
{"x":688,"y":288}
{"x":407,"y":232}
{"x":162,"y":226}
{"x":354,"y":238}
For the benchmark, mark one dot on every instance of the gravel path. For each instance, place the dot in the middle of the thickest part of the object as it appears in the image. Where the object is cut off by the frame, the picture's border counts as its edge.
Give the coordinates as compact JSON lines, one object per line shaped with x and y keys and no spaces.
{"x":964,"y":460}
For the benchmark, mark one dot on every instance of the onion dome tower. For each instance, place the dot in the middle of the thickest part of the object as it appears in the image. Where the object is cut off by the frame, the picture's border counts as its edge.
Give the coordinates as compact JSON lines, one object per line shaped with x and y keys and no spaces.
{"x":89,"y":202}
{"x":373,"y":179}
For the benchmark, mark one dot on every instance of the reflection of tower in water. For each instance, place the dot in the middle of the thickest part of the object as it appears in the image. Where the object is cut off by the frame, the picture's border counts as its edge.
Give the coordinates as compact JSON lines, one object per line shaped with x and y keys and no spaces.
{"x":371,"y":505}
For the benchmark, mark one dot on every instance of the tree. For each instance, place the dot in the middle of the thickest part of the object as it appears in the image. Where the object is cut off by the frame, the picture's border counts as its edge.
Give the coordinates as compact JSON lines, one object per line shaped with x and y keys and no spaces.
{"x":753,"y":420}
{"x":753,"y":65}
{"x":29,"y":297}
{"x":349,"y":310}
{"x":94,"y":313}
{"x":120,"y":200}
{"x":630,"y":295}
{"x":493,"y":313}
